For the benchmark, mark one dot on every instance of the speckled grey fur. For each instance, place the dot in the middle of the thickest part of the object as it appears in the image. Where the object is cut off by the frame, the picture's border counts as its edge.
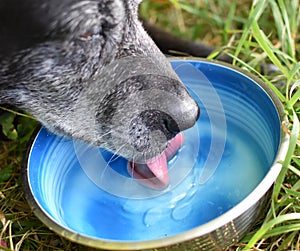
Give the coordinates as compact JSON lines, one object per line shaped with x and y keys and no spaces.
{"x":88,"y":70}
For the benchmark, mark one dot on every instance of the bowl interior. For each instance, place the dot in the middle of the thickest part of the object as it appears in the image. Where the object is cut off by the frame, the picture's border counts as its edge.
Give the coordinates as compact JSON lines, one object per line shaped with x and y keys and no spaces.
{"x":225,"y":156}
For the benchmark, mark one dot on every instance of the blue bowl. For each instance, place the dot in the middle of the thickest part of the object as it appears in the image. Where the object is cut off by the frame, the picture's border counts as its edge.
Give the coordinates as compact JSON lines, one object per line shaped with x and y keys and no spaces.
{"x":219,"y":180}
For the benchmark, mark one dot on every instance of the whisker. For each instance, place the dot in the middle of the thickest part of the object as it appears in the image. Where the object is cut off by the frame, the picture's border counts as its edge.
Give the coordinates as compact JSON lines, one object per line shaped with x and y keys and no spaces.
{"x":115,"y":155}
{"x":105,"y":134}
{"x":110,"y":160}
{"x":133,"y":166}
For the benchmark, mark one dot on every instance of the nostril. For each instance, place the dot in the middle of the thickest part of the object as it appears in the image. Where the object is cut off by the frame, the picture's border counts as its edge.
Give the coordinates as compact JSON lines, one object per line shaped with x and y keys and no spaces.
{"x":171,"y":126}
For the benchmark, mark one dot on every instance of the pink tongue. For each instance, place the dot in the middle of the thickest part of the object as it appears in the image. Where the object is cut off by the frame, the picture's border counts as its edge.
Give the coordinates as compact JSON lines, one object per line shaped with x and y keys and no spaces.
{"x":155,"y":172}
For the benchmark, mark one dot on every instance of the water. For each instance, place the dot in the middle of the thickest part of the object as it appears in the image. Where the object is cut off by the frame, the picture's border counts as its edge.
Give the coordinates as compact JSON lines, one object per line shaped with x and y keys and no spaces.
{"x":225,"y":155}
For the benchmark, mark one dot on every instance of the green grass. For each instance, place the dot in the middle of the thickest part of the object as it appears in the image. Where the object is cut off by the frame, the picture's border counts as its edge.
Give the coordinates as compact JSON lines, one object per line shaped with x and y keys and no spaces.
{"x":252,"y":33}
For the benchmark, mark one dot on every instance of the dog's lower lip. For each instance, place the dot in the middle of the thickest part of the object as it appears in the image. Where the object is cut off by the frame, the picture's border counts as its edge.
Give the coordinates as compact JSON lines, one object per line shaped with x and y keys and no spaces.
{"x":154,"y":173}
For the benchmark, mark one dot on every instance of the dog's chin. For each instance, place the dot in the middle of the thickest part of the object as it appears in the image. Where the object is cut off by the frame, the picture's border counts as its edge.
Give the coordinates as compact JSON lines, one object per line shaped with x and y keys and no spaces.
{"x":149,"y":153}
{"x":153,"y":171}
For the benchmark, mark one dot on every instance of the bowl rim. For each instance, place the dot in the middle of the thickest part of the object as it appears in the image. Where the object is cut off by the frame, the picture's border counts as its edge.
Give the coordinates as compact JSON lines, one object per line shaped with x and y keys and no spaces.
{"x":197,"y":232}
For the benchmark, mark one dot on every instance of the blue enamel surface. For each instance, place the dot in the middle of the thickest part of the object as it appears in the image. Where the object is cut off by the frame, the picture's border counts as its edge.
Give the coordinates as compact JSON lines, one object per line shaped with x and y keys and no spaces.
{"x":241,"y":130}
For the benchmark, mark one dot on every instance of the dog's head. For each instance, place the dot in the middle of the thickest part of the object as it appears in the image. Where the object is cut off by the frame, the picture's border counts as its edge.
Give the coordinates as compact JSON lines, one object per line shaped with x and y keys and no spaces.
{"x":97,"y":76}
{"x":137,"y":102}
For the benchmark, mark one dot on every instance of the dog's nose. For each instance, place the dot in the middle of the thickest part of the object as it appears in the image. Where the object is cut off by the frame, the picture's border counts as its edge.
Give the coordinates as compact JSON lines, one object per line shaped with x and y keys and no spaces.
{"x":186,"y":114}
{"x":181,"y":118}
{"x":168,"y":123}
{"x":159,"y":120}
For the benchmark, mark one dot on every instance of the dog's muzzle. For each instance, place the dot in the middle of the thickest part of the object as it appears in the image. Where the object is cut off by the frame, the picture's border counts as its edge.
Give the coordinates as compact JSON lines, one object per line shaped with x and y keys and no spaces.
{"x":160,"y":127}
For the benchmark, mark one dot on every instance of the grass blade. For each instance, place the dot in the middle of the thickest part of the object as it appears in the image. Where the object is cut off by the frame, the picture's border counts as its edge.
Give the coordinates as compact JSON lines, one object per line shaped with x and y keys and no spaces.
{"x":288,"y":39}
{"x":268,"y":226}
{"x":263,"y":41}
{"x":255,"y":12}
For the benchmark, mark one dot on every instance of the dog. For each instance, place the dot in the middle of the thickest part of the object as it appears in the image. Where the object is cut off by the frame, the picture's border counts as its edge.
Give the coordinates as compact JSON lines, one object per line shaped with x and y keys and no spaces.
{"x":86,"y":69}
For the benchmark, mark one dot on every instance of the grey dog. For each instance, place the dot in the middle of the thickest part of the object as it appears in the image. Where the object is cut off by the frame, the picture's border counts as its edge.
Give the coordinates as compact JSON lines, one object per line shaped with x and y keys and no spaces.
{"x":87,"y":69}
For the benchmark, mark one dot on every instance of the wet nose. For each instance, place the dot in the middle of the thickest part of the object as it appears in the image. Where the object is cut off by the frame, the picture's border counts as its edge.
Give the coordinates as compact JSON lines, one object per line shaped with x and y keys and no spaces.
{"x":148,"y":121}
{"x":186,"y":114}
{"x":167,"y":123}
{"x":159,"y":120}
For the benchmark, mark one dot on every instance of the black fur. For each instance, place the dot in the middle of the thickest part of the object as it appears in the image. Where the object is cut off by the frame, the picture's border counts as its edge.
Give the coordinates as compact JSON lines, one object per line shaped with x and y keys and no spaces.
{"x":86,"y":69}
